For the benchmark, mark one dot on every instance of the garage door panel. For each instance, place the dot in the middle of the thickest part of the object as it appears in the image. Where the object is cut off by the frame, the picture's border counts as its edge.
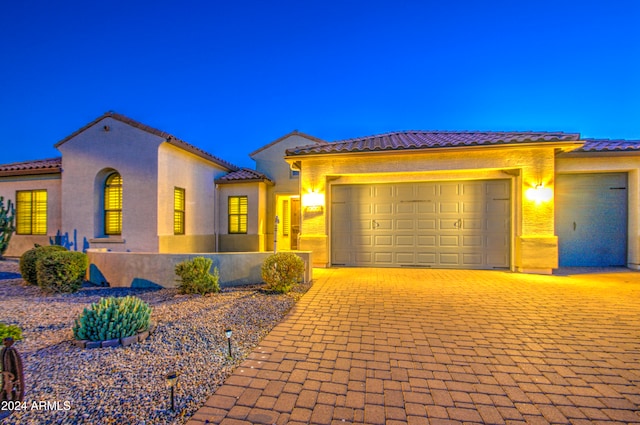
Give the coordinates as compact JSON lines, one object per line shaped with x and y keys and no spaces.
{"x":383,"y":258}
{"x":405,"y":240}
{"x":475,"y":241}
{"x":432,"y":224}
{"x":405,"y":224}
{"x":449,"y":207}
{"x":426,"y":224}
{"x":405,"y":258}
{"x":383,"y":240}
{"x":472,"y":259}
{"x":426,"y":241}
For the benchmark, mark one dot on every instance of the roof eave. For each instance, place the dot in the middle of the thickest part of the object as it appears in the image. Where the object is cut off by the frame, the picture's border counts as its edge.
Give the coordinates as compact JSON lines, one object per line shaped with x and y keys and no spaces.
{"x":562,"y":145}
{"x":31,"y":172}
{"x":266,"y":181}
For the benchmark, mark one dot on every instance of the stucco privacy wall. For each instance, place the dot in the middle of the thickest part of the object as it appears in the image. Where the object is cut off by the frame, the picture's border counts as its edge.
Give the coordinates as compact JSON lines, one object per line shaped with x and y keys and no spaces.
{"x":178,"y":168}
{"x":49,"y":182}
{"x":253,"y":240}
{"x":608,"y":163}
{"x":87,"y":159}
{"x":533,"y":240}
{"x":126,"y":269}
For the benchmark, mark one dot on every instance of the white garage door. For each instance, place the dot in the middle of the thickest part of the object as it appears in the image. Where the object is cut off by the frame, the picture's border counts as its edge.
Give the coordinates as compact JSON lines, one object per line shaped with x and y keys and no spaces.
{"x":464,"y":224}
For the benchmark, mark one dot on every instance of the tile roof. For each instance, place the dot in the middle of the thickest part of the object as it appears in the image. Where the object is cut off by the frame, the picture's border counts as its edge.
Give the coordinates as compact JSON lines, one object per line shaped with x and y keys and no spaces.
{"x":244,"y":175}
{"x":411,"y":140}
{"x":39,"y":166}
{"x":606,"y":145}
{"x":168,"y":137}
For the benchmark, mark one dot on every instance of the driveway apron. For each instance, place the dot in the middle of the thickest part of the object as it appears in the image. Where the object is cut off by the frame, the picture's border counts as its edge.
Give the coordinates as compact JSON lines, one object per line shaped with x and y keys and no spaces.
{"x":420,"y":346}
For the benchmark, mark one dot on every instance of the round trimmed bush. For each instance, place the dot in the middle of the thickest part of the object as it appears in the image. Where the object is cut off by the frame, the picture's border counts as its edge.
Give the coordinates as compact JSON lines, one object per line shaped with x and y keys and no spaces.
{"x":61,"y":271}
{"x":10,"y":331}
{"x":281,"y":271}
{"x":29,"y":261}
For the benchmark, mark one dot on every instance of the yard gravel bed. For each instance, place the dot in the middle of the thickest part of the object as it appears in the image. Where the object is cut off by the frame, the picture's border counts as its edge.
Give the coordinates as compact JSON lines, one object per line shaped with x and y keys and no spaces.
{"x":66,"y":384}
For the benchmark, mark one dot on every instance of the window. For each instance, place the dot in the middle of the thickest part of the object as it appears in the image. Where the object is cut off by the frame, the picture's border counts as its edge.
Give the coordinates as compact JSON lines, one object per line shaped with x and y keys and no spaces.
{"x":285,"y":218}
{"x":294,"y":174}
{"x":31,"y":212}
{"x":113,"y":205}
{"x":178,"y":211}
{"x":238,"y":214}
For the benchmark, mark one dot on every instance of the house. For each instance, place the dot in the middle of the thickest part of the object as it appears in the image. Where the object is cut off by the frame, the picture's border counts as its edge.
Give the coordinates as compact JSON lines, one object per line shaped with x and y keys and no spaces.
{"x":521,"y":201}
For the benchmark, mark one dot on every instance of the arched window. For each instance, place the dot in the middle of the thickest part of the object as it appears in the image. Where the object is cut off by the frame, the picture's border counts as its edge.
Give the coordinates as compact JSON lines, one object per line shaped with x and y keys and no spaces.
{"x":113,"y":204}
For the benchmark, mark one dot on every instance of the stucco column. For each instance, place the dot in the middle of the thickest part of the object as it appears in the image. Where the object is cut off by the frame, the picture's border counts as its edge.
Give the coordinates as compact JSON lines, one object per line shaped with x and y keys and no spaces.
{"x":536,"y":246}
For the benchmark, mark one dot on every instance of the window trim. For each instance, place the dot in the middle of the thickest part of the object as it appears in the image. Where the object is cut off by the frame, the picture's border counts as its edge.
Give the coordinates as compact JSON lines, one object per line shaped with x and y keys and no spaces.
{"x":34,"y":214}
{"x":117,"y":211}
{"x":179,"y":211}
{"x":243,"y":211}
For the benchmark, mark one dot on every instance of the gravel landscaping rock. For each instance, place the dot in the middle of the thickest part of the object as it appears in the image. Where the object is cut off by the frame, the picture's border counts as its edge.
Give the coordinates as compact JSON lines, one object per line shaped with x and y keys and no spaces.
{"x":66,"y":384}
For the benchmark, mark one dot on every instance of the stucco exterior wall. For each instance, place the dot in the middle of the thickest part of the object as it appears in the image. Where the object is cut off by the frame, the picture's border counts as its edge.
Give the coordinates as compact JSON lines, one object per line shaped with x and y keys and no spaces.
{"x":178,"y":168}
{"x":270,"y":161}
{"x":607,"y":163}
{"x":52,"y":184}
{"x":126,"y":269}
{"x":533,"y":244}
{"x":254,"y":239}
{"x":86,"y":160}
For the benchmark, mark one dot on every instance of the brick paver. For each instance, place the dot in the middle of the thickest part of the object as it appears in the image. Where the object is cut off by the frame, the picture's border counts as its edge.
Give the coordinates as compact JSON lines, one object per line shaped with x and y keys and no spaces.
{"x":414,"y":346}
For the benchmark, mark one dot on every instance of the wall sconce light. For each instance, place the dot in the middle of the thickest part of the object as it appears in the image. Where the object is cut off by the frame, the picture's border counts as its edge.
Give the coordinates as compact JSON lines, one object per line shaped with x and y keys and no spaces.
{"x":106,"y":128}
{"x":171,"y":381}
{"x":539,"y":193}
{"x":228,"y":333}
{"x":313,"y":201}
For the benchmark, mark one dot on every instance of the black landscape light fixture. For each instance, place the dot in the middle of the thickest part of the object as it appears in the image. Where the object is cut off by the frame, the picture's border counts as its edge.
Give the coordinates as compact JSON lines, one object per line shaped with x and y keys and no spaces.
{"x":228,"y":333}
{"x":171,"y":381}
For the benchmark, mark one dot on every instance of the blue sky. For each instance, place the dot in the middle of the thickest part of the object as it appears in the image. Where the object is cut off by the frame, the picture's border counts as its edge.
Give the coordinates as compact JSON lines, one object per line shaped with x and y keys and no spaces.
{"x":230,"y":77}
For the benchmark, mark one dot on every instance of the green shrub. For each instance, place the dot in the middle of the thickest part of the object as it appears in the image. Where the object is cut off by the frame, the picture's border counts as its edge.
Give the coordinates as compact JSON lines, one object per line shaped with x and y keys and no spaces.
{"x":29,"y":260}
{"x":61,"y":271}
{"x":112,"y":318}
{"x":10,"y":331}
{"x":195,"y":277}
{"x":281,"y":271}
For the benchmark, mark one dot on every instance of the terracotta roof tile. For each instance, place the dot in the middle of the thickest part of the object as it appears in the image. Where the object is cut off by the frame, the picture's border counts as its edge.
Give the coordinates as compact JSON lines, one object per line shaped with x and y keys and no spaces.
{"x":39,"y":166}
{"x":432,"y":139}
{"x":244,"y":175}
{"x":607,"y":145}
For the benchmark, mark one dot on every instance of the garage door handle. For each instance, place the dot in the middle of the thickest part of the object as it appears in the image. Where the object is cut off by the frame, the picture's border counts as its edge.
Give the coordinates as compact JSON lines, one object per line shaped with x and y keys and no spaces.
{"x":458,"y":223}
{"x":375,"y":224}
{"x":574,"y":226}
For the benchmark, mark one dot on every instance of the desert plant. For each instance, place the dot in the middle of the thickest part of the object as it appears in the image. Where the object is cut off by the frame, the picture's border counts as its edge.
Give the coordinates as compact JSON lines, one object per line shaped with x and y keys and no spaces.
{"x":112,"y":318}
{"x":195,"y":277}
{"x":7,"y":227}
{"x":61,"y":271}
{"x":281,"y":271}
{"x":29,"y":260}
{"x":10,"y":331}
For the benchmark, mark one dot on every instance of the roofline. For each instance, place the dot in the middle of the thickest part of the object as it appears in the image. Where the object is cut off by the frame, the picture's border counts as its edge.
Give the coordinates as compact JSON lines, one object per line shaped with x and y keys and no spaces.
{"x":267,"y":181}
{"x":162,"y":134}
{"x":564,"y":145}
{"x":33,"y":172}
{"x":293,"y":133}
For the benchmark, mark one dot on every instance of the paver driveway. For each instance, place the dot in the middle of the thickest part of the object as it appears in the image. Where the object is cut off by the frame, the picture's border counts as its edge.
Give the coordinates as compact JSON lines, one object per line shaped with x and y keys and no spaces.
{"x":412,"y":346}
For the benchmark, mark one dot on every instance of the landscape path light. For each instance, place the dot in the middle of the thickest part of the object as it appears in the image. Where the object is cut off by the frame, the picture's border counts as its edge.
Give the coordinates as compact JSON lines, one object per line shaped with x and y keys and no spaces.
{"x":228,"y":333}
{"x":171,"y":381}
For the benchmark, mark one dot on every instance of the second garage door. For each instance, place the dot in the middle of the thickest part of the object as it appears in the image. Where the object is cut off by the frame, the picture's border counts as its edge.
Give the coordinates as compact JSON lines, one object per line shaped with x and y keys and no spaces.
{"x":465,"y":224}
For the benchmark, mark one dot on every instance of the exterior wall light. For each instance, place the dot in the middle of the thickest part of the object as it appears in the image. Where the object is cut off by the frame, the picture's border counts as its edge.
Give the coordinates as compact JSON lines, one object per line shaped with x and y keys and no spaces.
{"x":313,"y":201}
{"x":539,"y":193}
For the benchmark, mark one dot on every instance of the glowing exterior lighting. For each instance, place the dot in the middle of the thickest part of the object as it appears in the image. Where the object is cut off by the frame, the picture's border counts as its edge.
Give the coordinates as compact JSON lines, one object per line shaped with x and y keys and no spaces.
{"x":313,"y":201}
{"x":539,"y":193}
